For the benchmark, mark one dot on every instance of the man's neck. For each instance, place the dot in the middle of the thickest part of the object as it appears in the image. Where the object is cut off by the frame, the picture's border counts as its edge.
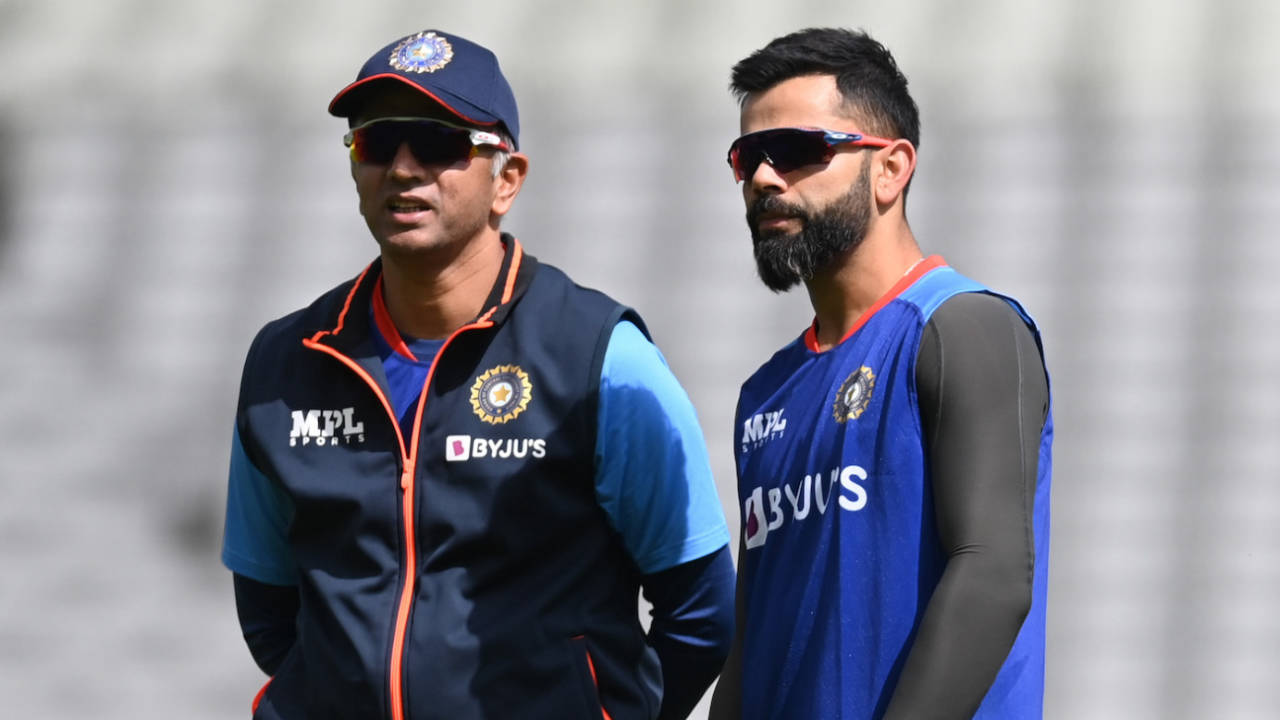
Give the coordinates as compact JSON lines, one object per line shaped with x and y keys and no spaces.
{"x":844,"y":293}
{"x":429,"y":295}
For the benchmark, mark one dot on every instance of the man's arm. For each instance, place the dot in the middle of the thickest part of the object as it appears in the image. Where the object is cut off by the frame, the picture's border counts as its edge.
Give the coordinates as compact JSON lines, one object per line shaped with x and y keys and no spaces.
{"x":690,"y":628}
{"x":255,"y":548}
{"x":983,"y":399}
{"x":653,"y":480}
{"x":267,"y":616}
{"x":726,"y":701}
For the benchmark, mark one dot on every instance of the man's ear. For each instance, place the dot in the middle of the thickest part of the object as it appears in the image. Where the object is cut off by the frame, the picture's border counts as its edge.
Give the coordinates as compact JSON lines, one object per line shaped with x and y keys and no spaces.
{"x":508,"y":181}
{"x":895,"y":166}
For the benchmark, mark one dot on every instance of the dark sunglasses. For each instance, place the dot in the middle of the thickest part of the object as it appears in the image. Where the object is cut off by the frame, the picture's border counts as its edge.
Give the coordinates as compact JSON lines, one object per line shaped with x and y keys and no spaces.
{"x":787,"y":149}
{"x":432,"y":142}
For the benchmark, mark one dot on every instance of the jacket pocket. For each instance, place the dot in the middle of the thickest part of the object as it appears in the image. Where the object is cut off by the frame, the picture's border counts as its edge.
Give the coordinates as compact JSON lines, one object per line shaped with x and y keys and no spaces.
{"x":257,"y":699}
{"x":586,"y":671}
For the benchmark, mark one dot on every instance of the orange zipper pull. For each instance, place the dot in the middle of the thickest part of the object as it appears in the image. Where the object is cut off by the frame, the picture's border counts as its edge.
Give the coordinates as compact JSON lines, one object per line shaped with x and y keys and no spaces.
{"x":406,"y":477}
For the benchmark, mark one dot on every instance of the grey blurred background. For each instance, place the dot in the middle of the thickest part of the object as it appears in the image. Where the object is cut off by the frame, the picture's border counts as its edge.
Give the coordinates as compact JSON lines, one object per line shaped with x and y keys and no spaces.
{"x":169,"y":180}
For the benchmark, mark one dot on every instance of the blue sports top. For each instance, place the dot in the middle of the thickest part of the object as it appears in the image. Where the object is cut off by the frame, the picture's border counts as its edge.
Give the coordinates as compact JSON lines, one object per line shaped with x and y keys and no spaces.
{"x":650,"y":455}
{"x":841,"y":550}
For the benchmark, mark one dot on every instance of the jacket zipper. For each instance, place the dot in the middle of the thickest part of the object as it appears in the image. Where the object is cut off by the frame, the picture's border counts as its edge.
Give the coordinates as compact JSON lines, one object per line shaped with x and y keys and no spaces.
{"x":408,"y":464}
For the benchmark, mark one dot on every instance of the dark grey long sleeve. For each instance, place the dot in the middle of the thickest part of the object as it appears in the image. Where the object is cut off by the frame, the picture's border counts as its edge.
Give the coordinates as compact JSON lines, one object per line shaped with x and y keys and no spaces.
{"x":983,"y":399}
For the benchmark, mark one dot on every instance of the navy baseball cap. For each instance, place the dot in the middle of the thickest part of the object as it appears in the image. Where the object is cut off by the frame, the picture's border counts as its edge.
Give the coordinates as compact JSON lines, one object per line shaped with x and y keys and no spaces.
{"x":461,"y":76}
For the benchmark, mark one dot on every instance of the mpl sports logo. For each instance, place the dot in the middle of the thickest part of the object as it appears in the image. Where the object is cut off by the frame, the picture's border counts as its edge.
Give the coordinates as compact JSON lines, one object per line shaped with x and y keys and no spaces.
{"x":761,"y":428}
{"x":764,"y":512}
{"x":460,"y":448}
{"x":325,"y":427}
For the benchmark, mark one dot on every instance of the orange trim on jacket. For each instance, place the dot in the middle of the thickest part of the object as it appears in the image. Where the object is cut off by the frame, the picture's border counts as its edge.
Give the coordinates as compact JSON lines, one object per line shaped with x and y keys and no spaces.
{"x":591,"y":665}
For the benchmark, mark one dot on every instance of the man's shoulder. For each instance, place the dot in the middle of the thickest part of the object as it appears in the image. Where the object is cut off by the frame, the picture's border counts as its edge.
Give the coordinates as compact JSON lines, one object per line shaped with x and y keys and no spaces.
{"x":549,"y":277}
{"x":937,"y":286}
{"x":979,"y":325}
{"x":323,"y":313}
{"x":551,"y":286}
{"x":975,"y":305}
{"x":780,"y":366}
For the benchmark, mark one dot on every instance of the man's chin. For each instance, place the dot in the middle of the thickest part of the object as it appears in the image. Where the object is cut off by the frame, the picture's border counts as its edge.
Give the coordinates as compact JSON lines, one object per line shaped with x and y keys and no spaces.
{"x":774,"y":236}
{"x":777,"y":279}
{"x":408,"y":241}
{"x":779,"y":284}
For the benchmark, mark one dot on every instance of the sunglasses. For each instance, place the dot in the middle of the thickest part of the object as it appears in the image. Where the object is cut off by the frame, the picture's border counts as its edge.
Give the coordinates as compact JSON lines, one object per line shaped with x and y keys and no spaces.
{"x":432,"y":142}
{"x":787,"y":149}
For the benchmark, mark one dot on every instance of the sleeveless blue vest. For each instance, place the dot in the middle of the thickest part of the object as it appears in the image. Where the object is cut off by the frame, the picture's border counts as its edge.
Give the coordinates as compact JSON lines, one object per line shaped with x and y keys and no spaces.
{"x":841,"y":549}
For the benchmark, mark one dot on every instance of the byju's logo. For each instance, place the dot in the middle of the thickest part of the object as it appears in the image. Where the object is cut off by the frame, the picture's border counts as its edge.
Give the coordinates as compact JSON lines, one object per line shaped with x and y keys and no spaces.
{"x":459,"y":448}
{"x":763,"y":512}
{"x":761,"y":428}
{"x":325,"y":427}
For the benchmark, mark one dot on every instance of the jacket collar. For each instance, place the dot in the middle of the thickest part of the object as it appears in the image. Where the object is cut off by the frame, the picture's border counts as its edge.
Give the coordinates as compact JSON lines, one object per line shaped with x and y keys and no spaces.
{"x":350,"y":324}
{"x":517,"y":272}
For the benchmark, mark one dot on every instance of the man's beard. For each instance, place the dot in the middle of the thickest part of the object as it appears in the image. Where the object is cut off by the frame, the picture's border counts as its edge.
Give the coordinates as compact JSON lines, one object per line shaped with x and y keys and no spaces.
{"x":784,"y":259}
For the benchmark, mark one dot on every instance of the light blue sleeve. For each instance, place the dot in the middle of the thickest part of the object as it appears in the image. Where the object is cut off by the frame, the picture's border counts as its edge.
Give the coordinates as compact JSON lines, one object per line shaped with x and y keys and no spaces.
{"x":255,"y":538}
{"x":653,"y":476}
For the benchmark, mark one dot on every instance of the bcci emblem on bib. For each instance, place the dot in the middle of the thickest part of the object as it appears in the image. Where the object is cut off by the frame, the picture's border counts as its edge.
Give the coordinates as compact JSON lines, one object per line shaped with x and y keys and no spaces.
{"x":854,"y":394}
{"x":500,"y":394}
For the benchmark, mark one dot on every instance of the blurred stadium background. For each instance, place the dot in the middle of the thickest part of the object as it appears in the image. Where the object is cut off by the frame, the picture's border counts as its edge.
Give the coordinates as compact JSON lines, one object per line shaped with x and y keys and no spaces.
{"x":169,"y":180}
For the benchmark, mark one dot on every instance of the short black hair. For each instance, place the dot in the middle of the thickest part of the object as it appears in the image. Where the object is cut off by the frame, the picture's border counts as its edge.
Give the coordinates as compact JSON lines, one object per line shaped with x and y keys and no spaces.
{"x":866,"y":75}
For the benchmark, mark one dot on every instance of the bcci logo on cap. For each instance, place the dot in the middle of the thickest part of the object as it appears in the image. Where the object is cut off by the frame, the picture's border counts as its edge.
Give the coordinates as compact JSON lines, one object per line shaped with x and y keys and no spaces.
{"x":425,"y":52}
{"x":854,"y":394}
{"x":500,"y":394}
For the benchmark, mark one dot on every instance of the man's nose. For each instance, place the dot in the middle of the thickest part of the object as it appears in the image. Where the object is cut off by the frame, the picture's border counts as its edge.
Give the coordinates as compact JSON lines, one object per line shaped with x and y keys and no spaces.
{"x":764,"y":179}
{"x":404,"y":164}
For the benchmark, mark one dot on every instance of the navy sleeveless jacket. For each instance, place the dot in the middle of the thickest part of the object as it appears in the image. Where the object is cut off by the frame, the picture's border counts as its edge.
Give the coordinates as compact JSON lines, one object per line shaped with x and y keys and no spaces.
{"x":466,"y":570}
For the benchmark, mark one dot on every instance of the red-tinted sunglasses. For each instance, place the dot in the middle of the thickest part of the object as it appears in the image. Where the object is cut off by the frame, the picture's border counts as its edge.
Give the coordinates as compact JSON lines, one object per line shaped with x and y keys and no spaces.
{"x":432,"y":142}
{"x":787,"y":149}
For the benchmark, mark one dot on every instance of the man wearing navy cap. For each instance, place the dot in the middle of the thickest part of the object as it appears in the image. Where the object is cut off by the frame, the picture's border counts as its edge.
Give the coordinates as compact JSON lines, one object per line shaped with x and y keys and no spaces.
{"x":452,"y":475}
